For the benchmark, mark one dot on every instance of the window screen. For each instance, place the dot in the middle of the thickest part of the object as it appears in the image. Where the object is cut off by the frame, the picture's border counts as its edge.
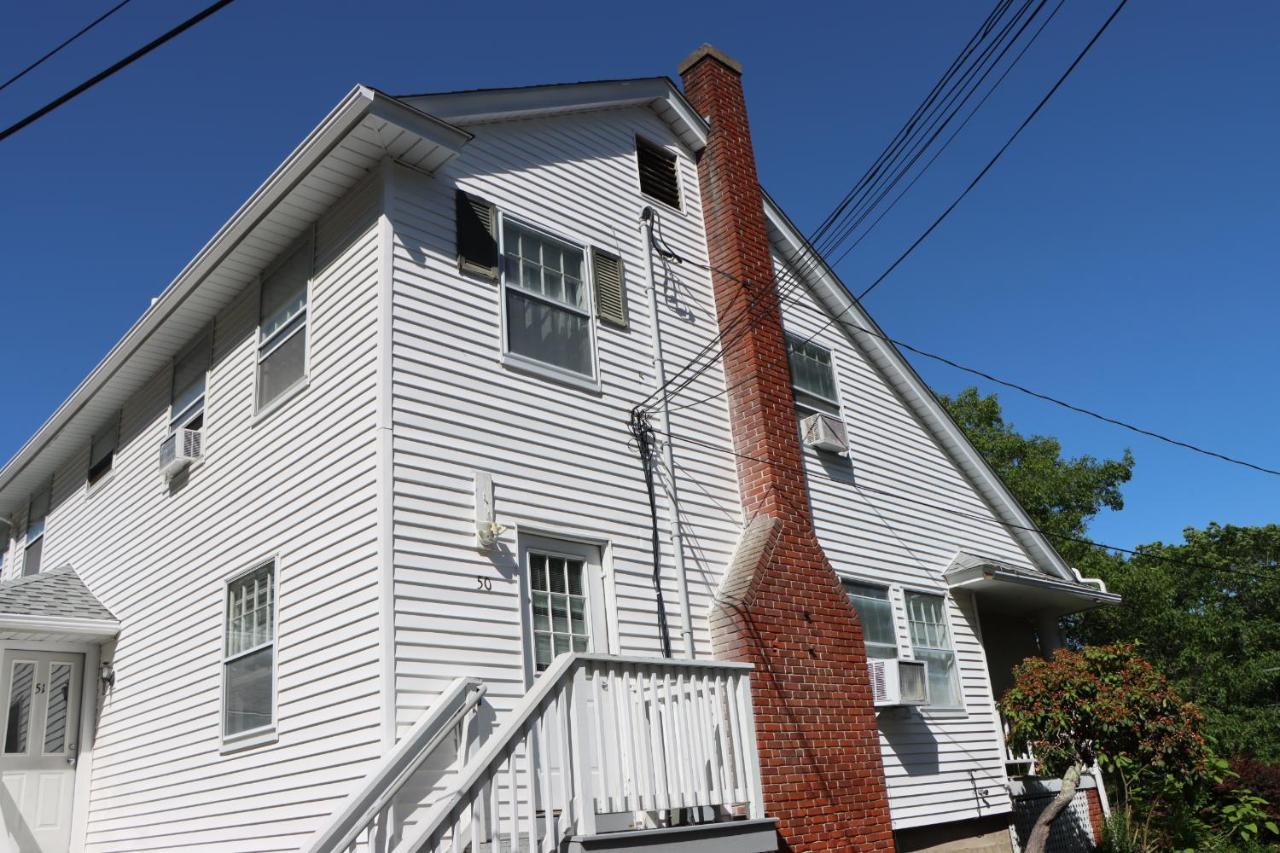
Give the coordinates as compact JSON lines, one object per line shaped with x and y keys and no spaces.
{"x":812,"y":376}
{"x":876,"y":614}
{"x":931,"y":643}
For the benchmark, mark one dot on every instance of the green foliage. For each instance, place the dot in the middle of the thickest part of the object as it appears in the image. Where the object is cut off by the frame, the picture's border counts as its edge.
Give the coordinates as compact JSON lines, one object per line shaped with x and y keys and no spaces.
{"x":1105,"y":704}
{"x":1215,"y":634}
{"x":1061,"y":495}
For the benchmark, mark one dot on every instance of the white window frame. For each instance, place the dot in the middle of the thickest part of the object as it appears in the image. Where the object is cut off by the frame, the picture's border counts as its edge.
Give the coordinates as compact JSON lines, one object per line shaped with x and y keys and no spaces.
{"x":957,"y":680}
{"x":27,"y":539}
{"x":847,"y":582}
{"x":532,"y":365}
{"x":267,"y":733}
{"x":593,"y":556}
{"x":264,"y":349}
{"x":199,"y":406}
{"x":836,"y":408}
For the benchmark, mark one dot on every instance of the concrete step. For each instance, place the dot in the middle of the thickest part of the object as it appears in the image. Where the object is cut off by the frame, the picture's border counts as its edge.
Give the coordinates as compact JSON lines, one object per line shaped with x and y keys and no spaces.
{"x":738,"y":836}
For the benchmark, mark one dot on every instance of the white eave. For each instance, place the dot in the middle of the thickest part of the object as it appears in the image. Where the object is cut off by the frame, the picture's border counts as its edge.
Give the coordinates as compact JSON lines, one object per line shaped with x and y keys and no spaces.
{"x":487,"y":105}
{"x":1024,"y":591}
{"x":365,"y":127}
{"x":899,"y":373}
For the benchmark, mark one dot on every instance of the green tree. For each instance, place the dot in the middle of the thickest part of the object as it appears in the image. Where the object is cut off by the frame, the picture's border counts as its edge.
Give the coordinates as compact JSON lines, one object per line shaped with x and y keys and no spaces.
{"x":1207,"y":614}
{"x":1102,"y":704}
{"x":1061,"y":495}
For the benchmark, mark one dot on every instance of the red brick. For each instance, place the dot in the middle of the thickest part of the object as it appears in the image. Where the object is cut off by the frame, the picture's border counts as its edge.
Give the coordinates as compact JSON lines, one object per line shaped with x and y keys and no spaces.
{"x":815,"y":722}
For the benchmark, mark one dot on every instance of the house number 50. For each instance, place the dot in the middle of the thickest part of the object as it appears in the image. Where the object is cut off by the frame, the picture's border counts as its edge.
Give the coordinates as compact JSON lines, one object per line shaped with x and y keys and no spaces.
{"x":484,"y":583}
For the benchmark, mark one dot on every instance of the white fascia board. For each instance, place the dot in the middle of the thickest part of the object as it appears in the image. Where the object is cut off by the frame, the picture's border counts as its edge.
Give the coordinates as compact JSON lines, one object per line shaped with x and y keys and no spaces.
{"x":837,"y":300}
{"x":488,"y":105}
{"x":362,"y":101}
{"x":99,"y":629}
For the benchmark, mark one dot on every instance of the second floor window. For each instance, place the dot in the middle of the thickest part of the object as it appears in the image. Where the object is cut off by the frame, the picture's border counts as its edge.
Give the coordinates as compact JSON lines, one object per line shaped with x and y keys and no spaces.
{"x":102,"y":453}
{"x":875,"y":612}
{"x":186,"y":399}
{"x":548,"y":313}
{"x":813,"y":378}
{"x":33,"y":544}
{"x":931,"y":643}
{"x":282,"y":327}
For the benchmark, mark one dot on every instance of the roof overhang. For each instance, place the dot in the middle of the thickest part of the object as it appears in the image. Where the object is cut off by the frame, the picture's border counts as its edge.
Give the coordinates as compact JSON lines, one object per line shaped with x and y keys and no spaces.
{"x":1024,"y":592}
{"x":364,"y":128}
{"x":899,"y":373}
{"x":486,"y":105}
{"x":15,"y":626}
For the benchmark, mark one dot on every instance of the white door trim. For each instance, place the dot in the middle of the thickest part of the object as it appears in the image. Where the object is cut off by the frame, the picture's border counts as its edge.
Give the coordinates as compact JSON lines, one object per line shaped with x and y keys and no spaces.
{"x":88,"y":723}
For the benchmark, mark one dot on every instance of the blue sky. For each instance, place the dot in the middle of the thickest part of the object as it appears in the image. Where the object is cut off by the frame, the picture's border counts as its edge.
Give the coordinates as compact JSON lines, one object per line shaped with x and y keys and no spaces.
{"x":1122,"y":255}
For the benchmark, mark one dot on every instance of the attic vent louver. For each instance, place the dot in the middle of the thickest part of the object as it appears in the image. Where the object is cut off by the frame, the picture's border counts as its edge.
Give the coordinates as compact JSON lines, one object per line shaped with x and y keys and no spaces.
{"x":610,"y":287}
{"x":477,"y":236}
{"x":659,"y":173}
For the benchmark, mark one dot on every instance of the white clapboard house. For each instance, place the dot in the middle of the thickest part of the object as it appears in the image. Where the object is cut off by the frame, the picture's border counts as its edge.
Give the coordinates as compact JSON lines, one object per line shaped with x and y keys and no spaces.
{"x":347,"y":544}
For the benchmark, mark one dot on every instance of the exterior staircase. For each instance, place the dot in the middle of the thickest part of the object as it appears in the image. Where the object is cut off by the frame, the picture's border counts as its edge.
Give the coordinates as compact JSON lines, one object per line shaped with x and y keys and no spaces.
{"x":604,"y":753}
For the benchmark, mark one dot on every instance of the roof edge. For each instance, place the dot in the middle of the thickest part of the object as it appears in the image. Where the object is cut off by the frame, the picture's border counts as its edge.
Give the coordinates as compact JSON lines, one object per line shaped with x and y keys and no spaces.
{"x":918,"y":396}
{"x":19,"y":623}
{"x":349,"y":112}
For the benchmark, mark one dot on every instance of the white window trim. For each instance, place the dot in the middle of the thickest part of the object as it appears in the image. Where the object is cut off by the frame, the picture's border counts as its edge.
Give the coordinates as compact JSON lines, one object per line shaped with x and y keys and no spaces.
{"x":262,"y":734}
{"x":261,"y":409}
{"x":531,"y":365}
{"x":679,"y":174}
{"x":835,"y":380}
{"x":961,"y":707}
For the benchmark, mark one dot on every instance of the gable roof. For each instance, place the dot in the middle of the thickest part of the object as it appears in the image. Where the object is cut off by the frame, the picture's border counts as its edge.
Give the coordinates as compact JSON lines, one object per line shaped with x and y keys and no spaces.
{"x":55,"y":602}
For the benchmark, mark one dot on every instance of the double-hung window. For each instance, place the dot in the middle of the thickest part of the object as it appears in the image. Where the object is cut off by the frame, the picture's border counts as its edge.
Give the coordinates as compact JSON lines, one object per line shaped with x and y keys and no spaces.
{"x":282,"y":327}
{"x":931,"y":643}
{"x":102,"y":453}
{"x":186,"y":397}
{"x":248,"y":701}
{"x":33,"y":545}
{"x":813,"y":378}
{"x":875,"y":612}
{"x":548,"y":312}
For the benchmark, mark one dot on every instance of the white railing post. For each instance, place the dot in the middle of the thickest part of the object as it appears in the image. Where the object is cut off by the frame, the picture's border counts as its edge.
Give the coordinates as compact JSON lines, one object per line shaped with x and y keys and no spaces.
{"x":751,"y":753}
{"x":583,"y":751}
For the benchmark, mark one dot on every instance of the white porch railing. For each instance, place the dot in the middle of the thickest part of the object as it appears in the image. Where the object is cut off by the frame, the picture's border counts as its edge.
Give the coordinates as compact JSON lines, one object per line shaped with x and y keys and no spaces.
{"x":1016,"y":763}
{"x":604,"y":740}
{"x":366,"y":820}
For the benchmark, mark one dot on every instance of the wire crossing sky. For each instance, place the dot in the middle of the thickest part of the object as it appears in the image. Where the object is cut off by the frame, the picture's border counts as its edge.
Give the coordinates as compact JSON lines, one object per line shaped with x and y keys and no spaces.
{"x":1121,"y":255}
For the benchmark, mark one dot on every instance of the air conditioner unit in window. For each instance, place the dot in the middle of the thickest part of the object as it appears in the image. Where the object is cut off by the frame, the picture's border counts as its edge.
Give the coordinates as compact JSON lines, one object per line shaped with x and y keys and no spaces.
{"x":895,"y":683}
{"x":825,"y":432}
{"x":179,"y":450}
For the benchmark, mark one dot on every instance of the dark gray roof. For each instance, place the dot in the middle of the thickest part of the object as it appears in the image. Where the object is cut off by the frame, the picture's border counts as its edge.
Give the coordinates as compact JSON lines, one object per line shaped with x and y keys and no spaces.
{"x":58,"y":592}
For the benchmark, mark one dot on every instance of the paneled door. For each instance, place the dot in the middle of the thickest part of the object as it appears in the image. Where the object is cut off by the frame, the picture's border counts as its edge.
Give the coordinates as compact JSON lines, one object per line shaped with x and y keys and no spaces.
{"x":40,"y":695}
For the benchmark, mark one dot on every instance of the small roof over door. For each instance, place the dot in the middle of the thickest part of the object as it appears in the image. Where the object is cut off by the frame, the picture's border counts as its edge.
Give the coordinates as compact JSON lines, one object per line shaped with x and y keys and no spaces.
{"x":1025,"y":591}
{"x":53,"y":605}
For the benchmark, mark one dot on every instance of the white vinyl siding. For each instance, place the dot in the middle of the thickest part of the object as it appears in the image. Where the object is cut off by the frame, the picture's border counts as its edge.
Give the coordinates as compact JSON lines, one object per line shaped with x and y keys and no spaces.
{"x":548,"y":315}
{"x":248,"y":685}
{"x":931,"y":643}
{"x":282,"y":327}
{"x":875,"y":612}
{"x":300,"y":482}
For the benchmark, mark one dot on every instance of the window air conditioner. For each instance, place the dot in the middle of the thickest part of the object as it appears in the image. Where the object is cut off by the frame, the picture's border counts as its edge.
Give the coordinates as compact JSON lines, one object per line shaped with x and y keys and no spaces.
{"x":898,"y":682}
{"x":825,"y":432}
{"x":179,"y":450}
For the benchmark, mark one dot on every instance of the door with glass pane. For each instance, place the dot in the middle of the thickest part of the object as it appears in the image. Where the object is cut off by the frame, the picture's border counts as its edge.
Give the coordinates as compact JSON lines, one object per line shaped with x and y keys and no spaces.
{"x":41,"y":697}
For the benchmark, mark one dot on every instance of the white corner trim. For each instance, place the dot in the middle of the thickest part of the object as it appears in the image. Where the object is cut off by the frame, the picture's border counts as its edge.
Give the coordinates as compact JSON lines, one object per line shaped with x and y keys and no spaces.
{"x":385,"y":450}
{"x":899,"y":373}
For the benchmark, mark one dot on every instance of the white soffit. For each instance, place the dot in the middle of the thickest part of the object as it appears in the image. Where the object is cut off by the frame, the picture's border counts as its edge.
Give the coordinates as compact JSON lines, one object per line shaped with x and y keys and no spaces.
{"x":902,"y":377}
{"x":480,"y":106}
{"x":365,"y":127}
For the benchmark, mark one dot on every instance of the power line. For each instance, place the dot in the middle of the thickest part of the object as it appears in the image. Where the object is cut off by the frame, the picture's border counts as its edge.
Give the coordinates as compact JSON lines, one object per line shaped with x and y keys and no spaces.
{"x":990,"y":519}
{"x":103,"y":75}
{"x":33,"y":66}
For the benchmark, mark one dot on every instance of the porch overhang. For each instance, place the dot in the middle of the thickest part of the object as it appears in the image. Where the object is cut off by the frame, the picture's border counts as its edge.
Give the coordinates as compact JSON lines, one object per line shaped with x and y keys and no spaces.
{"x":1026,"y":591}
{"x":53,"y":606}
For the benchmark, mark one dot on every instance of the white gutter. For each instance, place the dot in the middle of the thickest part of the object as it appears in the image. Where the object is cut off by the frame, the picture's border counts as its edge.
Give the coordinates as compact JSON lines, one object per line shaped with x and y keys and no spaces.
{"x":91,"y":629}
{"x":362,"y":101}
{"x":668,"y":454}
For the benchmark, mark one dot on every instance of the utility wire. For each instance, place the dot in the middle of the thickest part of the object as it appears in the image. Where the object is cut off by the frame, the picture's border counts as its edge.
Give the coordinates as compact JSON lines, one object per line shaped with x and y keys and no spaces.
{"x":33,"y":66}
{"x":123,"y":63}
{"x":990,"y":519}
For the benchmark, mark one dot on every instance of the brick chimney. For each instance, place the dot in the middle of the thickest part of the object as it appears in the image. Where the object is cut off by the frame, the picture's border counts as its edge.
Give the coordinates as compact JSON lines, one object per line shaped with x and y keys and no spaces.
{"x":781,"y":606}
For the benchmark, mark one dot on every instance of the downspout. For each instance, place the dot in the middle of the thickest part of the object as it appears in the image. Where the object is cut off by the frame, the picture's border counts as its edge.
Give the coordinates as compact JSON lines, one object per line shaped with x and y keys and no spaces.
{"x":668,"y":455}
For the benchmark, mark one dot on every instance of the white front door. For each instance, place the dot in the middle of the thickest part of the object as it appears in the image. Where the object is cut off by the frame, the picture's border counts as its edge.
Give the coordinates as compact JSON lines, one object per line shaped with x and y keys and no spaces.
{"x":40,"y":695}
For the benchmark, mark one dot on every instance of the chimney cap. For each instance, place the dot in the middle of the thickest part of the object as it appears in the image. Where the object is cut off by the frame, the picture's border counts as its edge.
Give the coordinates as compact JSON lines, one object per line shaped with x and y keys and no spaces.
{"x":716,"y":53}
